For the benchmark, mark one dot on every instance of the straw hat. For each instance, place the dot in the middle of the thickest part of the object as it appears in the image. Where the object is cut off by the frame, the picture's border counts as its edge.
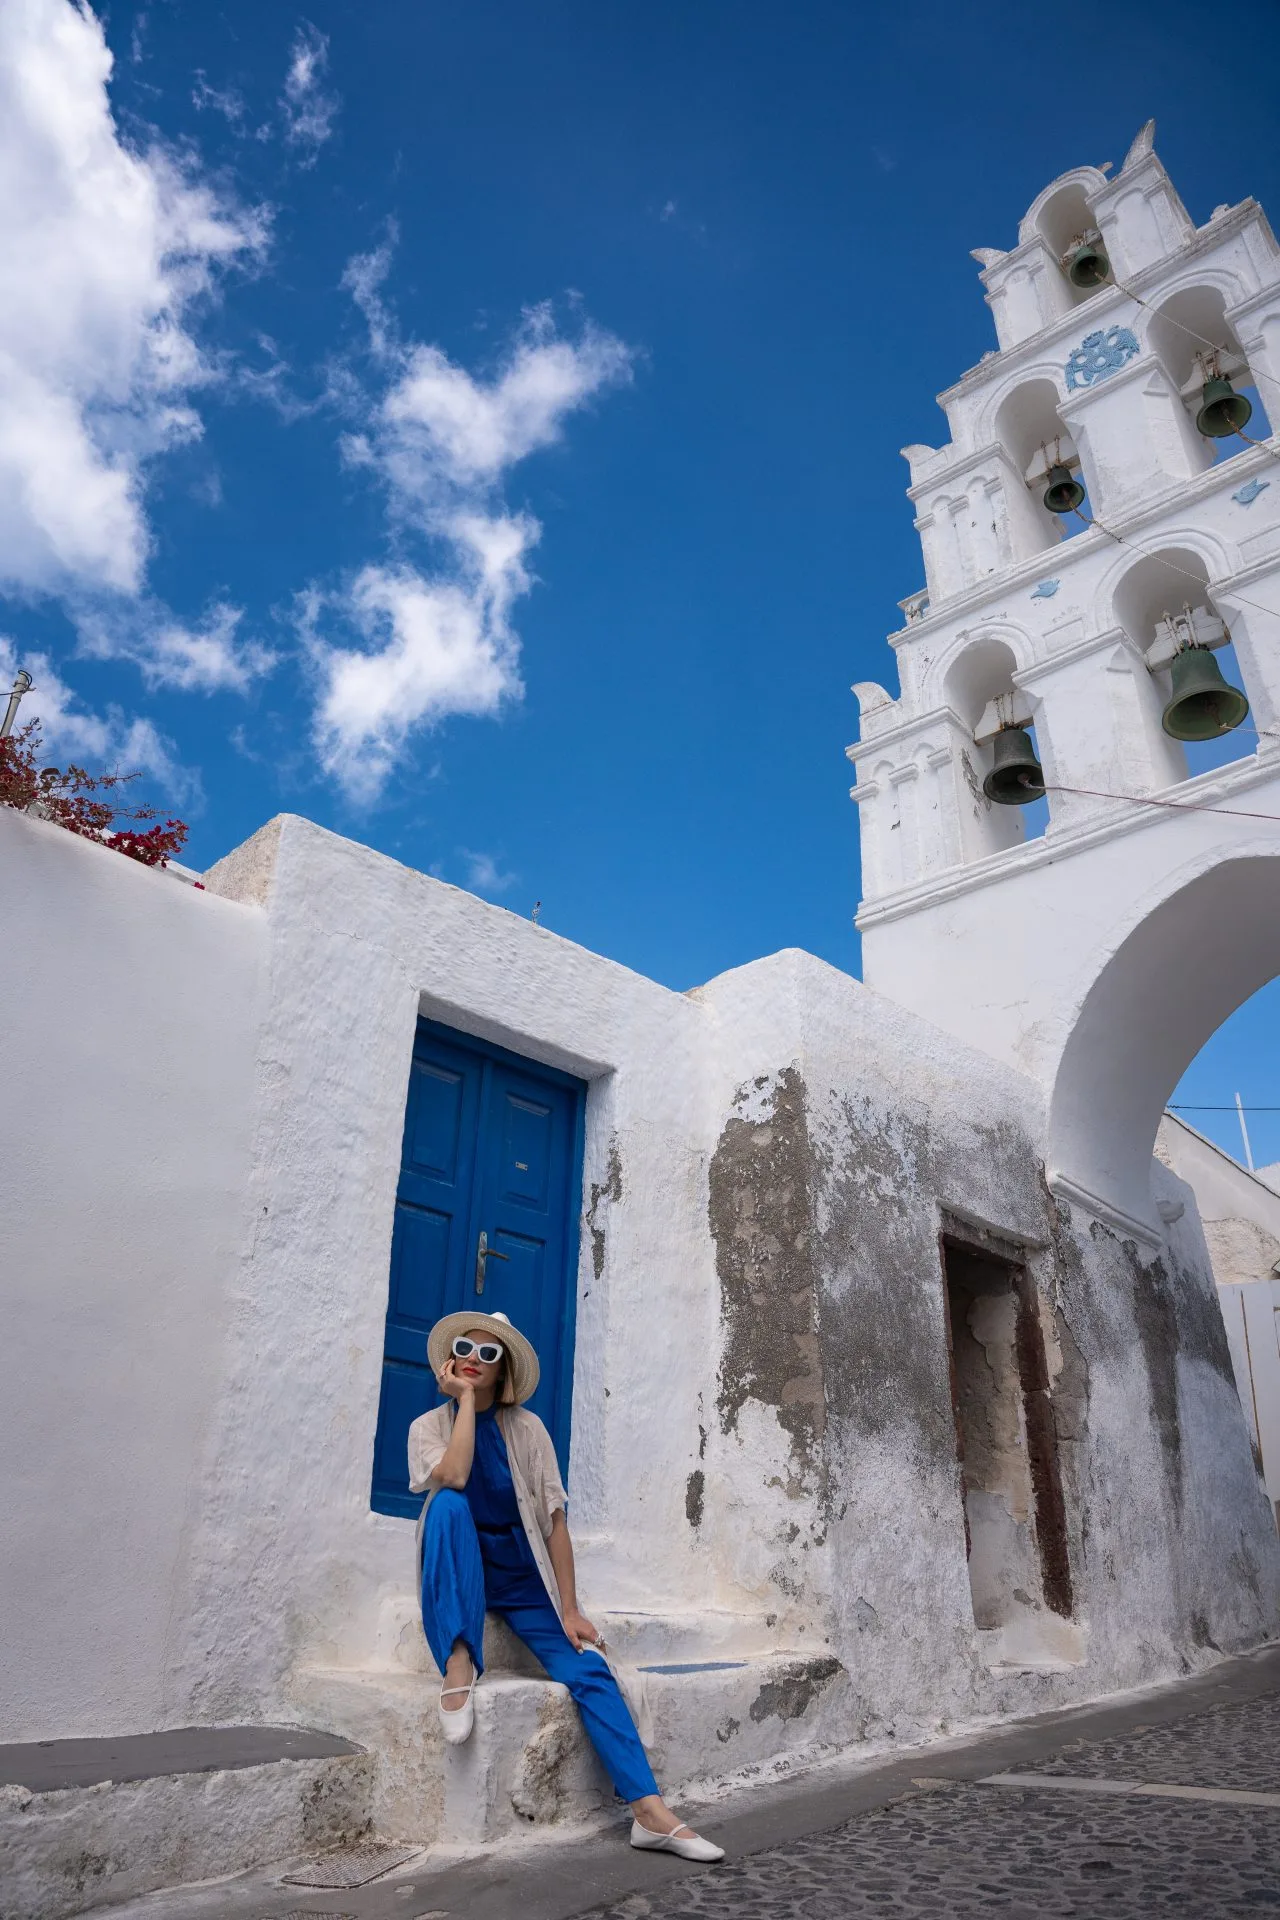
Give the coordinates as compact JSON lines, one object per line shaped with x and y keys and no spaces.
{"x":522,"y":1361}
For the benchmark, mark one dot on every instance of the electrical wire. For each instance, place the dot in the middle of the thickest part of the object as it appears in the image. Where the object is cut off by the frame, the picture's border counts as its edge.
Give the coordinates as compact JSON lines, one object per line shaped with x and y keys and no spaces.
{"x":1195,"y":1106}
{"x":1149,"y":800}
{"x":1172,"y":565}
{"x":1254,"y":373}
{"x":1189,"y":331}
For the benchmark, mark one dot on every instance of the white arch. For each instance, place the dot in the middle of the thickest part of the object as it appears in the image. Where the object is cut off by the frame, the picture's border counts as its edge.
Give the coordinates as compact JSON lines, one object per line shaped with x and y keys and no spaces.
{"x":984,"y":424}
{"x":1233,"y":286}
{"x":1221,"y":558}
{"x":1198,"y":945}
{"x":1015,"y":637}
{"x":1088,"y":179}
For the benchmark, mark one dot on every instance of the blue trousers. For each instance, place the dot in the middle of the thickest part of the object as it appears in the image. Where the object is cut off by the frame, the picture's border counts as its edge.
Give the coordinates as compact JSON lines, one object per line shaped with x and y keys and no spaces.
{"x":465,"y":1575}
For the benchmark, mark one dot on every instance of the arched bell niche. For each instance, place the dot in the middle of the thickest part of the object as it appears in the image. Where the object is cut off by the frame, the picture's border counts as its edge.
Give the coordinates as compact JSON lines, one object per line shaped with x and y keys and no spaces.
{"x":982,"y":673}
{"x":1061,"y":218}
{"x":1027,"y":426}
{"x":1174,"y":583}
{"x":1185,"y":333}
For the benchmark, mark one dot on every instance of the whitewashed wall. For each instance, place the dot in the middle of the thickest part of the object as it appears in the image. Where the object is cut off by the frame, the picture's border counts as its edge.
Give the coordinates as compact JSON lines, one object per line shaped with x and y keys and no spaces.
{"x":856,"y":1130}
{"x":291,"y":1564}
{"x":1240,"y":1213}
{"x":761,"y":1410}
{"x":763,"y":1459}
{"x":131,"y":1010}
{"x":1239,"y":1210}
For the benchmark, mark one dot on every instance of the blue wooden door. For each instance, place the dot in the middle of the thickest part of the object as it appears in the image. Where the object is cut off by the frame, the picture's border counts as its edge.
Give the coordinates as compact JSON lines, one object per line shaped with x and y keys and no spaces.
{"x":492,"y":1145}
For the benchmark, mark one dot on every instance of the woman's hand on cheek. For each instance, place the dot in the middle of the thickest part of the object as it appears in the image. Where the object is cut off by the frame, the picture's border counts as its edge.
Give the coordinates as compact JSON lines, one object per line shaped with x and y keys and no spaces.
{"x":448,"y":1381}
{"x":579,"y":1629}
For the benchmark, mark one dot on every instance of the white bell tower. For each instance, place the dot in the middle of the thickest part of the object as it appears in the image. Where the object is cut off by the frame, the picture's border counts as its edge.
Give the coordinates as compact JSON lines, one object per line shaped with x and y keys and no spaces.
{"x":1098,"y":957}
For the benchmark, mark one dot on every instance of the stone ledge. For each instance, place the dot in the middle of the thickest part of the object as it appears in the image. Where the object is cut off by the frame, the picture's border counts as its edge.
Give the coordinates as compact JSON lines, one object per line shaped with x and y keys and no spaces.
{"x":43,"y":1766}
{"x":65,"y":1849}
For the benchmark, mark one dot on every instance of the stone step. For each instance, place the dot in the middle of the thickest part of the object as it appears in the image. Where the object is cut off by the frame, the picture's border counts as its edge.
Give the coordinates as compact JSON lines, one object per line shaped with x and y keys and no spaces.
{"x":633,"y":1635}
{"x":90,"y":1822}
{"x":529,"y":1763}
{"x":393,"y":1716}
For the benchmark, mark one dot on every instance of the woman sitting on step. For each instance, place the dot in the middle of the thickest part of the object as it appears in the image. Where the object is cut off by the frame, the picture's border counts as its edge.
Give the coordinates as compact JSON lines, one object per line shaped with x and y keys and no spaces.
{"x":493,"y":1537}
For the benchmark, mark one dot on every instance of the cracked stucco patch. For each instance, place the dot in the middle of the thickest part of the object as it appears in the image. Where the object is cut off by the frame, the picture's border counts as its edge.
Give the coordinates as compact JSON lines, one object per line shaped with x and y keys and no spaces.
{"x":759,"y":1210}
{"x":609,"y":1189}
{"x":794,"y":1690}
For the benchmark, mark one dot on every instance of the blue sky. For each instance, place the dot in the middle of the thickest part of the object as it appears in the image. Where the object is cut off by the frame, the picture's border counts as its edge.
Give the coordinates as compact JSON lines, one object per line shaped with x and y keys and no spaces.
{"x":560,"y":356}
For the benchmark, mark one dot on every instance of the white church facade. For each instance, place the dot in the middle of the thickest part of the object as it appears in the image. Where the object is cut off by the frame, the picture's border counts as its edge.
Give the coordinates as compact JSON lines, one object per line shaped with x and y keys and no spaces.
{"x":885,"y":1357}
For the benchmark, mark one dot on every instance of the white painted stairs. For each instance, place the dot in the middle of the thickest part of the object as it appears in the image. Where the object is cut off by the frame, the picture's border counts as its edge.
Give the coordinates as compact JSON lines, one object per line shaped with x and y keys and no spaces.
{"x":715,"y":1697}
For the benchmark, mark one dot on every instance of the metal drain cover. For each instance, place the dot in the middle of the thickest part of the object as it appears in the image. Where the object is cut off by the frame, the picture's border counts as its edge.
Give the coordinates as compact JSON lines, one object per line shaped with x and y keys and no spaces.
{"x":351,"y":1867}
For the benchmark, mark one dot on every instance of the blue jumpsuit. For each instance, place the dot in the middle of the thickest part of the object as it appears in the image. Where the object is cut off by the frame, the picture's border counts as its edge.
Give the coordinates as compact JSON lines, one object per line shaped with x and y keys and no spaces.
{"x":476,"y":1558}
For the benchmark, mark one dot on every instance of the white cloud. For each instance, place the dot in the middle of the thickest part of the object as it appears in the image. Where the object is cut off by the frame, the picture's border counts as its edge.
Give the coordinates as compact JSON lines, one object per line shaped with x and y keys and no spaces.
{"x":272,"y":383}
{"x":108,"y":743}
{"x":484,"y":875}
{"x":439,"y":641}
{"x":365,"y":273}
{"x":439,"y":425}
{"x":228,"y":101}
{"x":208,"y":657}
{"x":104,"y":250}
{"x":434,"y":647}
{"x":204,"y":659}
{"x":309,"y":112}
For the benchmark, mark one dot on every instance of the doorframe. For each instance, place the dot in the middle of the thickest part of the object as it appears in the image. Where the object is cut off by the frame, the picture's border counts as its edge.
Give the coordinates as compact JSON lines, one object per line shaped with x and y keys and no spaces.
{"x":573,"y":1083}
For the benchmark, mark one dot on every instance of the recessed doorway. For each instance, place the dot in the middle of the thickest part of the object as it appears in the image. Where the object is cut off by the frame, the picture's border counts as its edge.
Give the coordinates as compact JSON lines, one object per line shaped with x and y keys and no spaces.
{"x":1006,"y":1445}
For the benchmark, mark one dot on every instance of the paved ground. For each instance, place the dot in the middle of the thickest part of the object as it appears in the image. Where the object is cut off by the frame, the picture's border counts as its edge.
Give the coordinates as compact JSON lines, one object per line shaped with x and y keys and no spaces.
{"x":1035,"y":1853}
{"x":925,"y":1835}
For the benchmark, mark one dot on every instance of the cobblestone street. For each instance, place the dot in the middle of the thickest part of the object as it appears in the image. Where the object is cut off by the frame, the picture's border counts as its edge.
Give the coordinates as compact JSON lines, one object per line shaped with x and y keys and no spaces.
{"x":1034,"y":1853}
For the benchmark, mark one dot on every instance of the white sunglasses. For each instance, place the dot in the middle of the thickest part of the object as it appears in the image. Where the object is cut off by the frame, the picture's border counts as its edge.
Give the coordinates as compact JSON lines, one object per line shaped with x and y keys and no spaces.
{"x":487,"y":1352}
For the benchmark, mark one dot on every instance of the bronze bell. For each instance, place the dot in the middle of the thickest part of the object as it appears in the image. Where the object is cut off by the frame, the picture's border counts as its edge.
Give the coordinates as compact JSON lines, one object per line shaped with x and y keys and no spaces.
{"x":1088,"y":265}
{"x":1223,"y":411}
{"x":1203,"y":706}
{"x":1063,"y":493}
{"x":1016,"y":777}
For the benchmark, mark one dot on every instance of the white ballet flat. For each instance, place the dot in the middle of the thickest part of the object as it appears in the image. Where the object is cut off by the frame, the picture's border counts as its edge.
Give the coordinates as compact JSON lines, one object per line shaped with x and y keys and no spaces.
{"x":681,"y":1840}
{"x":457,"y":1724}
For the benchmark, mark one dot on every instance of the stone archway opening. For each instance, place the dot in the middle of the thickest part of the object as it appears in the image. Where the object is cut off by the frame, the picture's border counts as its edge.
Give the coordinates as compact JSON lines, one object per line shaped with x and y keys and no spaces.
{"x":1240,"y":1057}
{"x":1200,"y":953}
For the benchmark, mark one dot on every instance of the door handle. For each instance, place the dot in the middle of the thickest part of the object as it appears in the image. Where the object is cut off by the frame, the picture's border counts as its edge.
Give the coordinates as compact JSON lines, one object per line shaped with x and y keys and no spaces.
{"x":485,"y":1252}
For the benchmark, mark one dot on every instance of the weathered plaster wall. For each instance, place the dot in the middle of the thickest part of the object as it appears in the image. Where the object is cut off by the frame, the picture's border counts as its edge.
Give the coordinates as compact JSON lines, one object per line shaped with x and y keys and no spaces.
{"x":131,"y":1008}
{"x":869,"y":1134}
{"x":764,"y":1452}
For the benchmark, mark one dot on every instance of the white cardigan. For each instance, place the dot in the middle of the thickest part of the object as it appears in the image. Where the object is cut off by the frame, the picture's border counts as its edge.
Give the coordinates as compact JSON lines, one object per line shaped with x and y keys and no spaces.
{"x":535,"y":1475}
